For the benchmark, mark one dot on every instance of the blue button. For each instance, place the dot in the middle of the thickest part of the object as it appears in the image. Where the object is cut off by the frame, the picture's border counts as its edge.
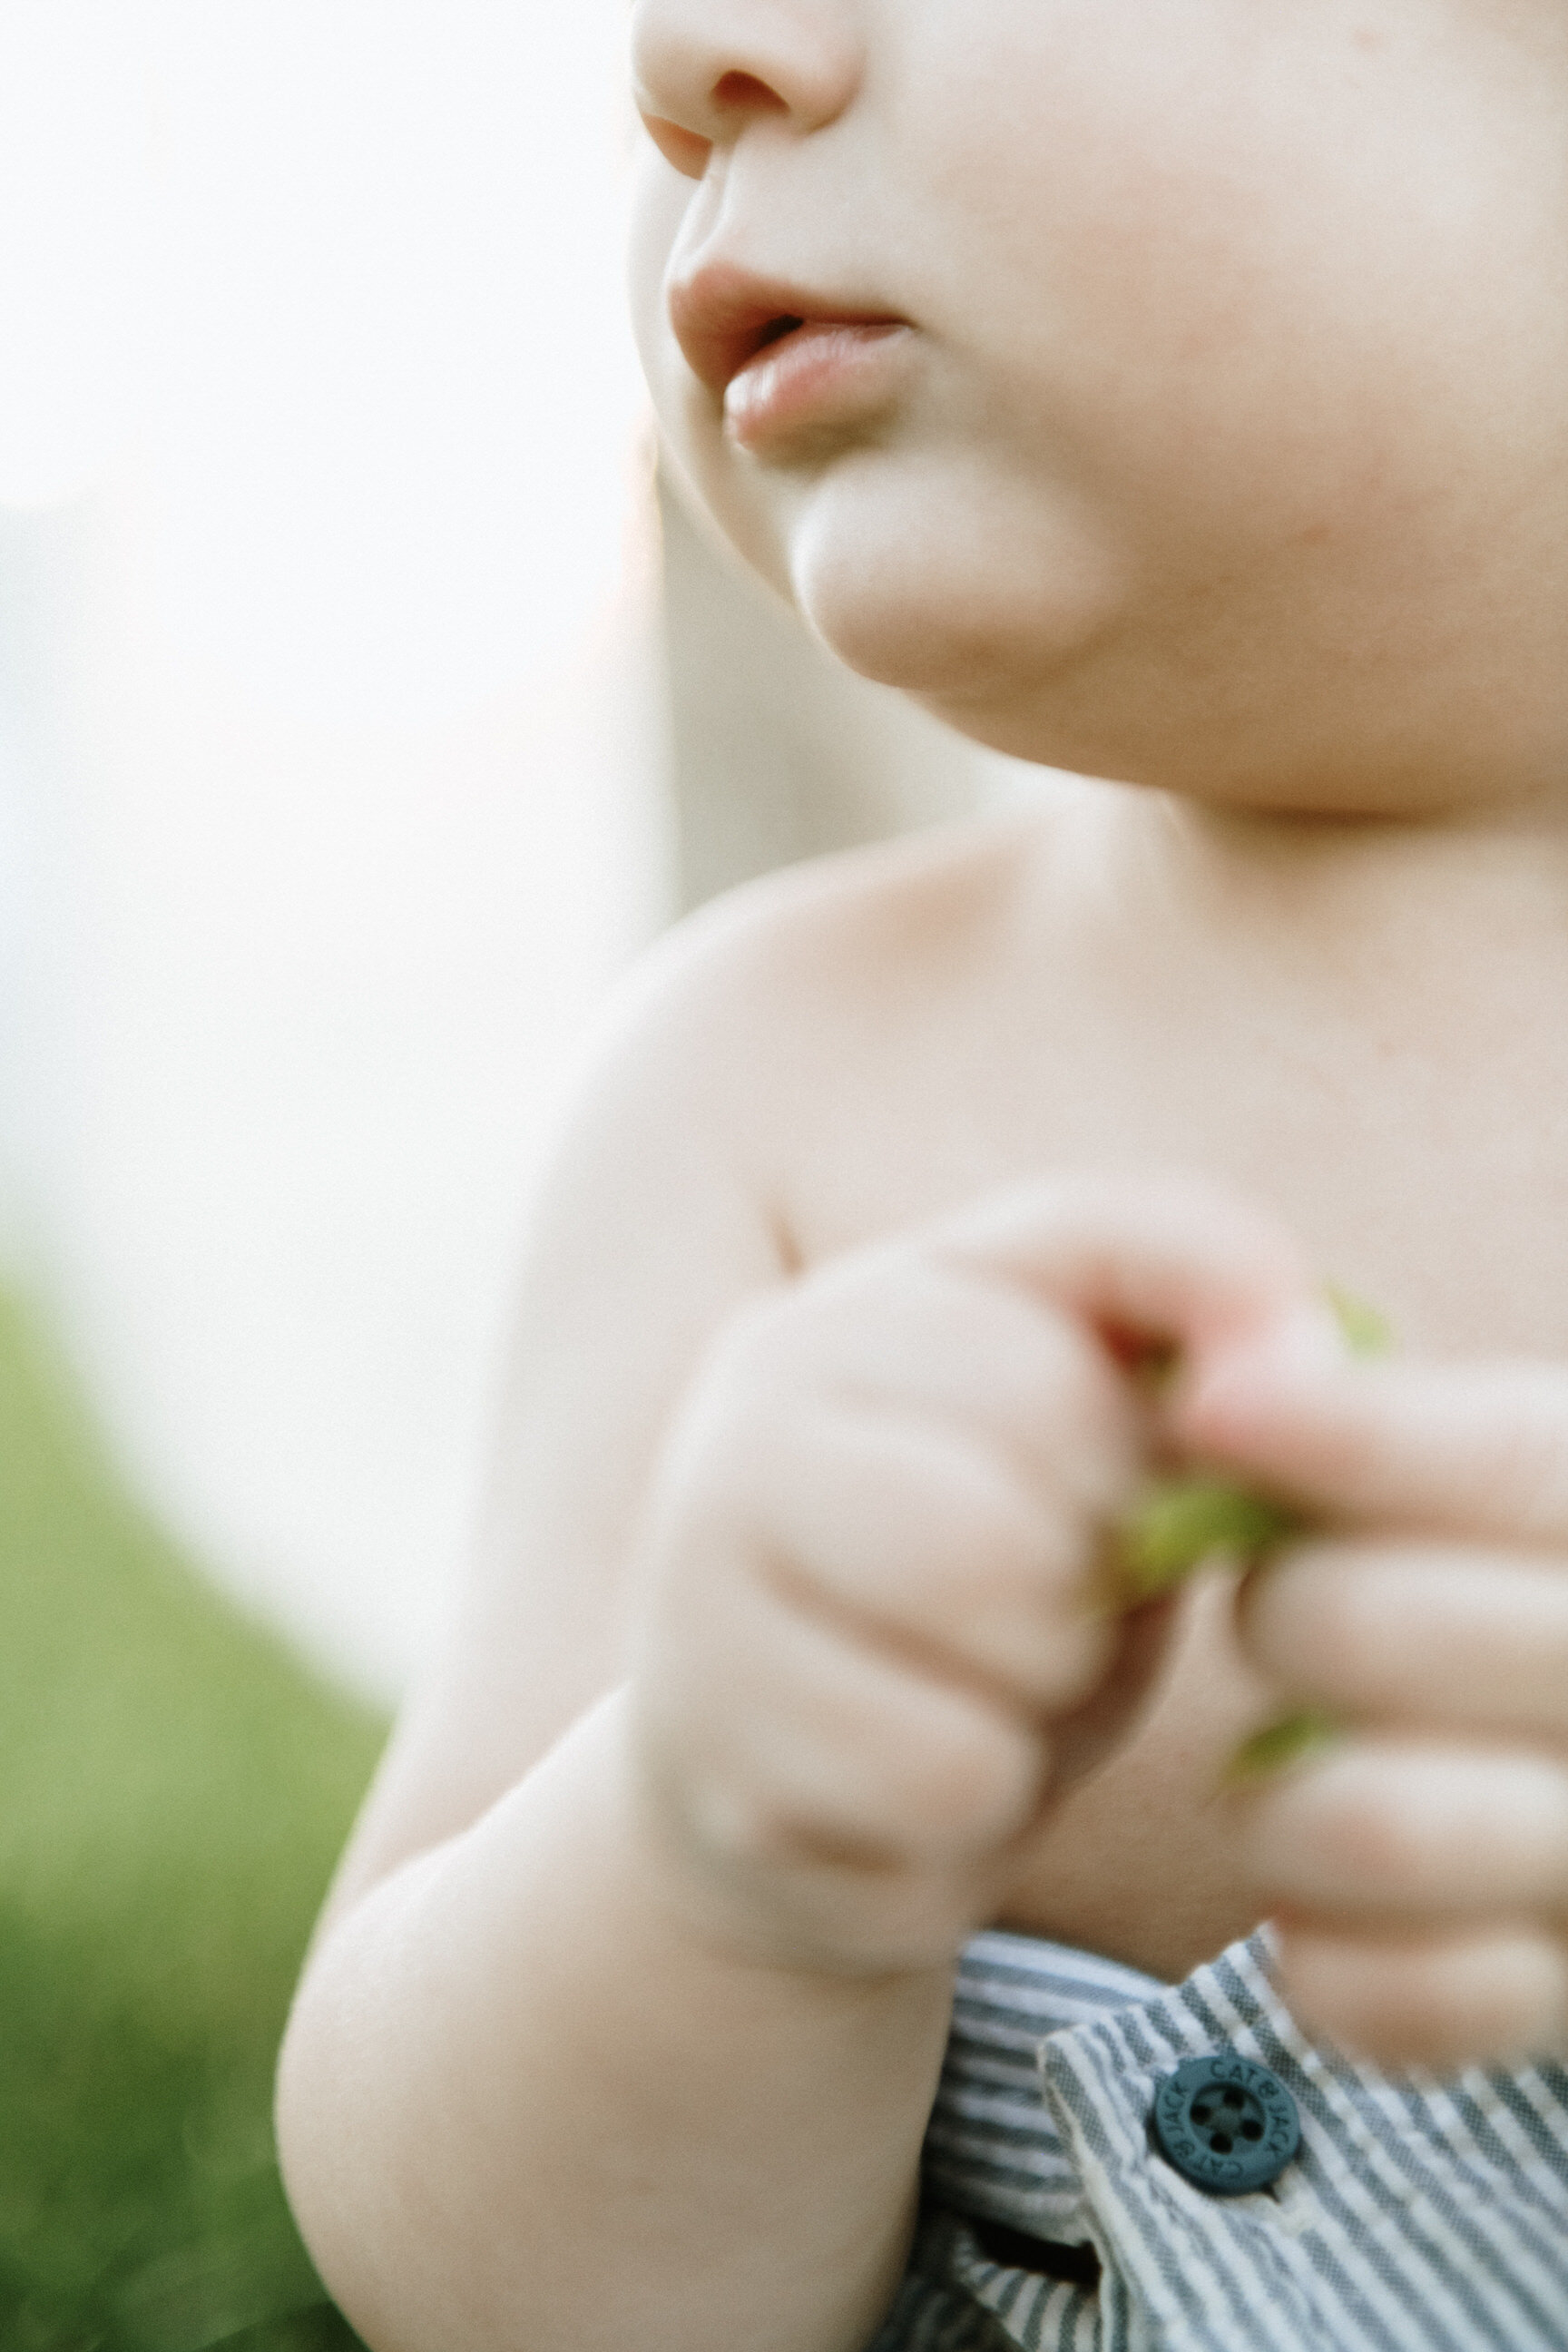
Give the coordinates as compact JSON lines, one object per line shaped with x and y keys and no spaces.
{"x":1227,"y":2124}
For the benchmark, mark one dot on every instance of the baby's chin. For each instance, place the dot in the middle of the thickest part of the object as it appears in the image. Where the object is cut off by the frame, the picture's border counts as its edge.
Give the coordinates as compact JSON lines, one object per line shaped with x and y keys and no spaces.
{"x":1060,"y":660}
{"x":978,"y":632}
{"x":1052,"y":677}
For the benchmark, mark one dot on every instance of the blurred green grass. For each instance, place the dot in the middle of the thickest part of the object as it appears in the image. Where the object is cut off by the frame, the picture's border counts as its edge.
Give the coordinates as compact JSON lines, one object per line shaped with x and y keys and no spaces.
{"x":174,"y":1787}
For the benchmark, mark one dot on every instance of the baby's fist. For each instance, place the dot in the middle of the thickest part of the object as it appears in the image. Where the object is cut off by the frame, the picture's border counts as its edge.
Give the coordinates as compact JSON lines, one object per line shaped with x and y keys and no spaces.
{"x":874,"y":1643}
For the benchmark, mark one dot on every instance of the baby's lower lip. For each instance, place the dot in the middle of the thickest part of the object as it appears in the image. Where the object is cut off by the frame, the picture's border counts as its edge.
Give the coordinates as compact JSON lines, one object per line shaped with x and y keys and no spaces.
{"x":822,"y":372}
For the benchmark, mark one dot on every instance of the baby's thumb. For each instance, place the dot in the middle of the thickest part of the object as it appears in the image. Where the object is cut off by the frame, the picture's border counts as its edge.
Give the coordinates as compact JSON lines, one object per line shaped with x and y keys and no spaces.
{"x":1160,"y":1263}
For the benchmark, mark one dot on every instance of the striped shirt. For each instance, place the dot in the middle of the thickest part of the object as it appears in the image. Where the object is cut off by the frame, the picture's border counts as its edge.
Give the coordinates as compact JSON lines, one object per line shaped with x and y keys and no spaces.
{"x":1419,"y":2216}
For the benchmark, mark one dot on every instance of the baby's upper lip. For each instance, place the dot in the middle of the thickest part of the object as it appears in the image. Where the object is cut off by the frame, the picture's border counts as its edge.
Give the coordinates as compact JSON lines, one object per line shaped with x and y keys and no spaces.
{"x":723,"y":315}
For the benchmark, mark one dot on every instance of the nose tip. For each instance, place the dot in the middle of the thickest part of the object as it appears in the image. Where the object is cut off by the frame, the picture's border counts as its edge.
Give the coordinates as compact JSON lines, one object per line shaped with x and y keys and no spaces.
{"x":706,"y":68}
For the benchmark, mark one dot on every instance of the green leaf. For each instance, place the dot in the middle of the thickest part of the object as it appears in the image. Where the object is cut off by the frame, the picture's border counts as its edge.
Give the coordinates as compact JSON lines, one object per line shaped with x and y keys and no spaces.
{"x":1365,"y":1331}
{"x":1179,"y":1522}
{"x":1294,"y":1736}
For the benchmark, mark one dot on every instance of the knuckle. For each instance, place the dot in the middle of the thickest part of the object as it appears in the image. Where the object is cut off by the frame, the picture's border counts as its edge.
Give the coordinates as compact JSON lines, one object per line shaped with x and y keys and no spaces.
{"x":973,"y":1780}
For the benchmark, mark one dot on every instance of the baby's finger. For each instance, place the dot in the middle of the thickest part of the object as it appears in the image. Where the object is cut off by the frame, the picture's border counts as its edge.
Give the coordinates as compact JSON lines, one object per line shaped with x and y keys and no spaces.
{"x":1448,"y":1449}
{"x":1177,"y":1258}
{"x":901,"y":1330}
{"x":928,"y":1546}
{"x":1443,"y":2001}
{"x":1403,"y":1631}
{"x":1389,"y":1833}
{"x":811,"y":1746}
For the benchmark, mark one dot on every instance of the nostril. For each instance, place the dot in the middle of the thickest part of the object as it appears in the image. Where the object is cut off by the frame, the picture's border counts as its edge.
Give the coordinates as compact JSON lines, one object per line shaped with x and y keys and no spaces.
{"x":743,"y":90}
{"x":684,"y":149}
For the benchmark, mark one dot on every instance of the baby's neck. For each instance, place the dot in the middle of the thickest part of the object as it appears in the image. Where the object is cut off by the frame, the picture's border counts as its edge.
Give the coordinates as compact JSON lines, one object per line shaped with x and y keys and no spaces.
{"x":1379,"y":894}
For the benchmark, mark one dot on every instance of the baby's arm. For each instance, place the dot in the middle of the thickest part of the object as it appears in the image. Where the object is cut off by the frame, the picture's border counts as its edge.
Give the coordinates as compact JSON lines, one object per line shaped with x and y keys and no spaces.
{"x":1418,"y":1863}
{"x":626,"y":2022}
{"x":520,"y":2103}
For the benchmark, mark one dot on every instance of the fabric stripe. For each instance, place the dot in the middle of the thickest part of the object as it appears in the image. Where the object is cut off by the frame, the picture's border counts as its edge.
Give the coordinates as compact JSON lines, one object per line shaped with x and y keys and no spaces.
{"x":1421,"y":2216}
{"x":1435,"y":2231}
{"x":1159,"y":2254}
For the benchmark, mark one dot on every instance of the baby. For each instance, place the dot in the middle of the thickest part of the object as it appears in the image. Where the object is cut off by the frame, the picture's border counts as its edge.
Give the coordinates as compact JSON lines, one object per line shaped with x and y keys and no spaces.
{"x":1177,"y":395}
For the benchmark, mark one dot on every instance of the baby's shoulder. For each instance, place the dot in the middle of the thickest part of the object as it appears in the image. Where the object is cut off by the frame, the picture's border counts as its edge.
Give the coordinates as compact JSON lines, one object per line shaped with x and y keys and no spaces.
{"x":764,"y":1038}
{"x":826,"y":951}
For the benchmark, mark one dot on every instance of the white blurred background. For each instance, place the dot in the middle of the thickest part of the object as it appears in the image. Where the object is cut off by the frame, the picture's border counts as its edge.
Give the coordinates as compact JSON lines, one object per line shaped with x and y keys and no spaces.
{"x":356,"y":726}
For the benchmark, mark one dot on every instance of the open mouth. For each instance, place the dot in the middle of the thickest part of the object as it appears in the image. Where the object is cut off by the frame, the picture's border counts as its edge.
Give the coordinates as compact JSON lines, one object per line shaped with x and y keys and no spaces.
{"x":775,"y":330}
{"x":724,"y":318}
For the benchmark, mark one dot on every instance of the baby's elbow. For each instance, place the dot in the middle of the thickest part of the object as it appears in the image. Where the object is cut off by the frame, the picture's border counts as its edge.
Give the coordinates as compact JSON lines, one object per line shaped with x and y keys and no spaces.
{"x":318,"y":2129}
{"x":351,"y":2106}
{"x":337,"y":2119}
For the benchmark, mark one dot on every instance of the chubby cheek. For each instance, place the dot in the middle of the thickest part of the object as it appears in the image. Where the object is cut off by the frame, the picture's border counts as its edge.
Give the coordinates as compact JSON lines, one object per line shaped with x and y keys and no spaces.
{"x":1228,"y":278}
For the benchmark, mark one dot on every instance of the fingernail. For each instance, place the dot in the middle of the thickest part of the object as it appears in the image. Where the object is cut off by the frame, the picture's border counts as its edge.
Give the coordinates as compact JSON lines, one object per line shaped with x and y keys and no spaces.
{"x":1258,"y":1377}
{"x":1288,"y":1741}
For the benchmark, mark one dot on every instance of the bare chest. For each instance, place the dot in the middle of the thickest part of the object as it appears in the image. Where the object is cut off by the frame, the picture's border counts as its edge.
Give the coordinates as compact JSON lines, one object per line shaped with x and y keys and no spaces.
{"x":1429,"y":1177}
